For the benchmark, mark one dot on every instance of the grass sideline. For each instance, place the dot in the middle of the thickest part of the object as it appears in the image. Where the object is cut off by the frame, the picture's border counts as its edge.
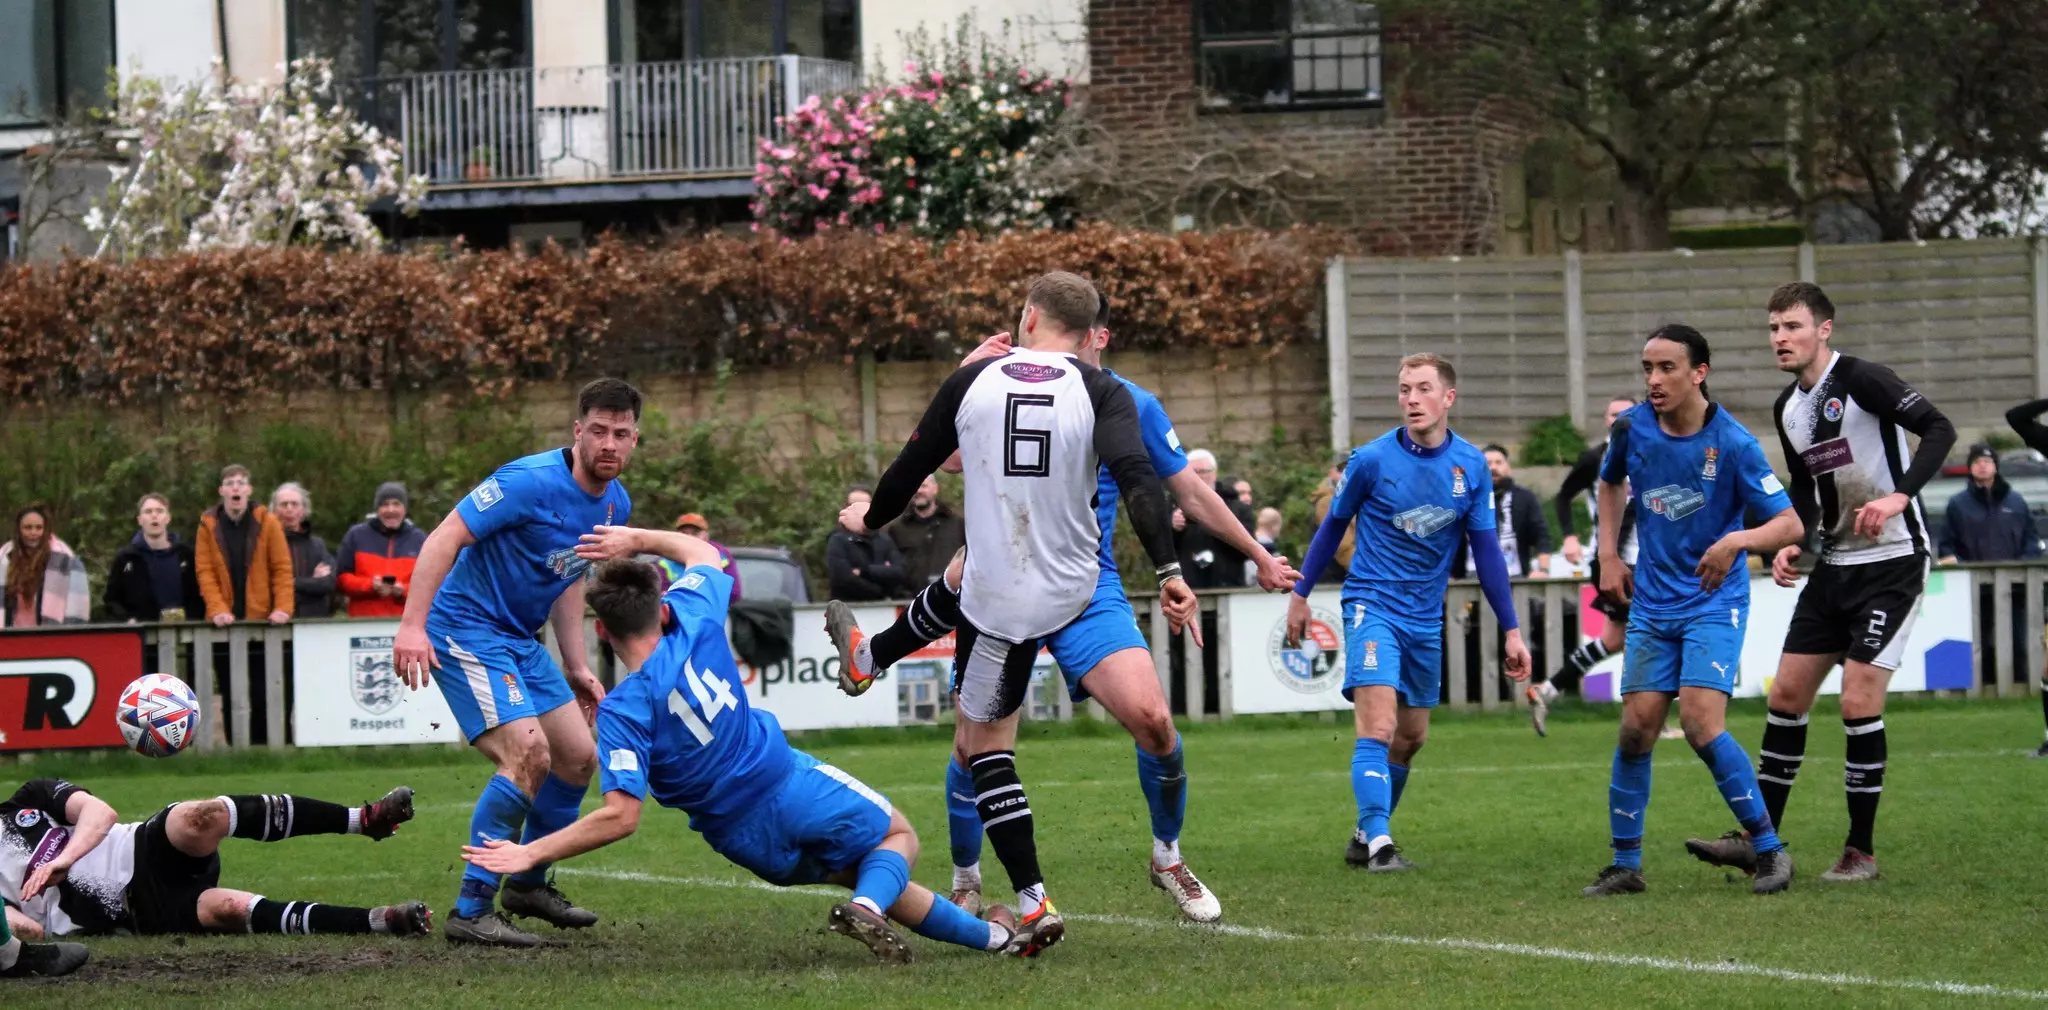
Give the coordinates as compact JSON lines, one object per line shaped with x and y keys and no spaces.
{"x":1505,"y":828}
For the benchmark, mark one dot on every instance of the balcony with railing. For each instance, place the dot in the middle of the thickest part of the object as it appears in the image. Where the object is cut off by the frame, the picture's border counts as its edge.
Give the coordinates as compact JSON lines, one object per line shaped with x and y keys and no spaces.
{"x":685,"y":120}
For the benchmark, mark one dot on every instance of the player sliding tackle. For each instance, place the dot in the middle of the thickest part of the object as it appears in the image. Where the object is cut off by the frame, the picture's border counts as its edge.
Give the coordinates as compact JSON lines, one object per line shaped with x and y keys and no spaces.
{"x":68,"y":866}
{"x":1416,"y":492}
{"x":1694,"y":471}
{"x":679,"y":726}
{"x":1101,"y":654}
{"x":507,"y":554}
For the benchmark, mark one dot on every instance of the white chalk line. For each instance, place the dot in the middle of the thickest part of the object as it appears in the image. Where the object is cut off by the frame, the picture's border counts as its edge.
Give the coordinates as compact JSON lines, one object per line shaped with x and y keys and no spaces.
{"x":1456,"y":944}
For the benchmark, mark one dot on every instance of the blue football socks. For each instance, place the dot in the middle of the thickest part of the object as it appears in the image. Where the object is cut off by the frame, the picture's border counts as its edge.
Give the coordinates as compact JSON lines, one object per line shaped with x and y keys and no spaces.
{"x":963,"y":820}
{"x":500,"y":810}
{"x":555,"y":806}
{"x":1628,"y":799}
{"x":883,"y":876}
{"x":1372,"y":788}
{"x":1736,"y":779}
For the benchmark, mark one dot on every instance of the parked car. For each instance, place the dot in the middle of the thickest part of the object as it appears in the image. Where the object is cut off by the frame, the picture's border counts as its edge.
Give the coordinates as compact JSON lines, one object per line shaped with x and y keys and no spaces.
{"x":2024,"y":469}
{"x":768,"y":573}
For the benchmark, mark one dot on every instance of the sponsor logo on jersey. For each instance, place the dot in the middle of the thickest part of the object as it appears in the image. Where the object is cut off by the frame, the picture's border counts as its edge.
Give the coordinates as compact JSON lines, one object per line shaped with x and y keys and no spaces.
{"x":512,"y":691}
{"x":486,"y":495}
{"x":1424,"y":520}
{"x":1712,"y":467}
{"x":48,"y":848}
{"x":1912,"y":397}
{"x":565,"y":564}
{"x":1317,"y":665}
{"x":372,"y":679}
{"x":1832,"y":454}
{"x":1031,"y":371}
{"x":692,"y":580}
{"x":1674,"y":502}
{"x":27,"y":818}
{"x":1832,"y":410}
{"x":1457,"y":482}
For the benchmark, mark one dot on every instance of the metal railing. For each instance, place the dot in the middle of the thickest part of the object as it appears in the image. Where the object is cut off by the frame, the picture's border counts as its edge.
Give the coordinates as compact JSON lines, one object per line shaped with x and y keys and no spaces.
{"x":621,"y":121}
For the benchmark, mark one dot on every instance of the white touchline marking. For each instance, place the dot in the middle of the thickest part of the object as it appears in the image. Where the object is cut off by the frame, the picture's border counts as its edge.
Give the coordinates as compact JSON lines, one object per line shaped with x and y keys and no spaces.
{"x":1452,"y":943}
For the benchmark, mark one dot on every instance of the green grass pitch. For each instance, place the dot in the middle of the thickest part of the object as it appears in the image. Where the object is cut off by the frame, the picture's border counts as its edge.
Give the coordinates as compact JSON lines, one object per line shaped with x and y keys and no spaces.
{"x":1505,"y":828}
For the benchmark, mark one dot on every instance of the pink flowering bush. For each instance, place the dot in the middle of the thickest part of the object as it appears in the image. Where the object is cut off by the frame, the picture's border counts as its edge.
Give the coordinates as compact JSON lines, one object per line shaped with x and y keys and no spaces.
{"x":940,"y":153}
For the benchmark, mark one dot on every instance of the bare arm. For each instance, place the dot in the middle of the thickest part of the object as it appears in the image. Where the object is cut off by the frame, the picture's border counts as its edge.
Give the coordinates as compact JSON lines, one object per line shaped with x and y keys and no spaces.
{"x":23,"y":926}
{"x":567,"y":618}
{"x":1199,"y":500}
{"x":619,"y":817}
{"x":437,"y":558}
{"x":91,"y":818}
{"x":1612,"y":499}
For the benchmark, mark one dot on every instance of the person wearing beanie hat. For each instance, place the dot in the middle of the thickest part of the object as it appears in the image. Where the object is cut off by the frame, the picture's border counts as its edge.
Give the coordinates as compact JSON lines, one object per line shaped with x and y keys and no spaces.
{"x":376,"y":556}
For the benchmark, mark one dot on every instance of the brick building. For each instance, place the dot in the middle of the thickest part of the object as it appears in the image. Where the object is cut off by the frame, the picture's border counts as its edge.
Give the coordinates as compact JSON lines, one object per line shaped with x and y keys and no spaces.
{"x":1209,"y":112}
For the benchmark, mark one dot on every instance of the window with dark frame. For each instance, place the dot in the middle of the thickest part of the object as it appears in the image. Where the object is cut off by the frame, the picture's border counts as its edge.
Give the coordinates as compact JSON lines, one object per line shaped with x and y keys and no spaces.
{"x":386,"y":38}
{"x":55,"y":58}
{"x":655,"y":31}
{"x":1287,"y":54}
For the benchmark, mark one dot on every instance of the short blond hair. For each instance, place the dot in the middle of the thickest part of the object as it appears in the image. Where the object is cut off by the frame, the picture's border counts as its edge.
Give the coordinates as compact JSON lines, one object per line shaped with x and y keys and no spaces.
{"x":1430,"y":359}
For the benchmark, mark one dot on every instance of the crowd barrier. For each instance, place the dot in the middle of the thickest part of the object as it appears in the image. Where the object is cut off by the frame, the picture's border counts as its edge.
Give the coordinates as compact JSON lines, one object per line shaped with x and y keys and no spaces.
{"x":323,"y":683}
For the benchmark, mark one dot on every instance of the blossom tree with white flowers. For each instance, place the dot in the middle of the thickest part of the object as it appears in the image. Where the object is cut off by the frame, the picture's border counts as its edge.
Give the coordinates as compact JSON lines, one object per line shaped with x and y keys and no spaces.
{"x":217,"y":164}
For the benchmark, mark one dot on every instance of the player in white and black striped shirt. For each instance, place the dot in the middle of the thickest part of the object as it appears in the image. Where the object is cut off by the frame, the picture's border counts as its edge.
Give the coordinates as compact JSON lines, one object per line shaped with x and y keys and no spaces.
{"x":1856,"y":483}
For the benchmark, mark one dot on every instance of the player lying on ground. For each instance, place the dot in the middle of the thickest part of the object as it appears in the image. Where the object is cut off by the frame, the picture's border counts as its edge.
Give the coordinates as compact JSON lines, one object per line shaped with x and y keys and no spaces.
{"x":1544,"y":690}
{"x":680,"y":727}
{"x":1033,"y":429}
{"x":502,"y":564}
{"x":1694,"y":472}
{"x":67,"y":866}
{"x":1856,"y":483}
{"x":1416,"y":492}
{"x":1101,"y":654}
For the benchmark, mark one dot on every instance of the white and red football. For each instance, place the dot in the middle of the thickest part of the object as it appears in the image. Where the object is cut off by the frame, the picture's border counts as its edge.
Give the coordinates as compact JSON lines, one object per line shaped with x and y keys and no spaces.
{"x":159,"y":715}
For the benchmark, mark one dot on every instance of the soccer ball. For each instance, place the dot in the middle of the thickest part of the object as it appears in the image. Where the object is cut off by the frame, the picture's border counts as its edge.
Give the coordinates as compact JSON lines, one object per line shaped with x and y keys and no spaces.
{"x":158,"y":715}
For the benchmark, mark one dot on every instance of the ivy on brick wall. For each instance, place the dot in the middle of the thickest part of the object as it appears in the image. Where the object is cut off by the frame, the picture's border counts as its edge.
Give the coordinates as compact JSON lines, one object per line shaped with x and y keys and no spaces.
{"x":215,"y":326}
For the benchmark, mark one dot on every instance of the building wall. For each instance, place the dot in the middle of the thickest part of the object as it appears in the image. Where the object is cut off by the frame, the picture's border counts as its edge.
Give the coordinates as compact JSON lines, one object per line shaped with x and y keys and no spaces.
{"x":256,"y":44}
{"x":166,"y":38}
{"x":1420,"y":176}
{"x":1054,"y":32}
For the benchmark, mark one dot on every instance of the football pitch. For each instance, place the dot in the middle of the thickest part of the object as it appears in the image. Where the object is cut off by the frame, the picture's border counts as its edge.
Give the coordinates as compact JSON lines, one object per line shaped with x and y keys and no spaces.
{"x":1505,"y":829}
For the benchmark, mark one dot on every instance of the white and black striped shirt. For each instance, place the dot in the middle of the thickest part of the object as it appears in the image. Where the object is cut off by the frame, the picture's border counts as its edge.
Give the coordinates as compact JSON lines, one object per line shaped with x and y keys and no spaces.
{"x":1031,"y":427}
{"x":1845,"y":445}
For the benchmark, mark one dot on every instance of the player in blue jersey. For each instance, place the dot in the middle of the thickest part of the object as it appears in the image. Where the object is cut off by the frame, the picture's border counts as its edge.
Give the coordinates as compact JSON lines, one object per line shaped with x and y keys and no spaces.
{"x":1416,"y":493}
{"x":502,"y":564}
{"x":679,"y":727}
{"x":1101,"y":655}
{"x":1695,"y":474}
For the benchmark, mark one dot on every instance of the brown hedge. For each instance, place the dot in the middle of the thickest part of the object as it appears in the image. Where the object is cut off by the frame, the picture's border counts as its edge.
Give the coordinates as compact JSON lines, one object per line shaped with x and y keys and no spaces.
{"x":215,"y":325}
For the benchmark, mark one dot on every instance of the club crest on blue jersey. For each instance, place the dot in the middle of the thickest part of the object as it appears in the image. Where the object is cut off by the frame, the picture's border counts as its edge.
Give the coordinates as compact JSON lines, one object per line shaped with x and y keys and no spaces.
{"x":1424,"y":520}
{"x":1832,"y":410}
{"x":1712,"y":468}
{"x":1372,"y":655}
{"x":512,"y":693}
{"x":565,"y":564}
{"x":1457,"y":482}
{"x":1674,"y":502}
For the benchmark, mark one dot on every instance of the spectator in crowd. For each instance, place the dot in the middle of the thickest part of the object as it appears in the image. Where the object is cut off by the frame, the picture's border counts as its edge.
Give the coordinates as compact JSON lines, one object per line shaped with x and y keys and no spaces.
{"x":1244,"y":490}
{"x":694,"y":524}
{"x":153,"y":577}
{"x":1319,"y":509}
{"x":1207,"y":562}
{"x":1267,"y":532}
{"x":1518,"y":514}
{"x":864,"y":567}
{"x":45,"y":580}
{"x":312,"y":565}
{"x":928,"y":535}
{"x":375,"y":561}
{"x":1988,"y":520}
{"x":245,"y":566}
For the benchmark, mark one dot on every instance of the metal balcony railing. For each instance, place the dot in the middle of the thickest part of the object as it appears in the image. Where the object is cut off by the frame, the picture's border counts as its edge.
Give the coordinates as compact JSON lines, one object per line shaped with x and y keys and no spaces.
{"x":572,"y":124}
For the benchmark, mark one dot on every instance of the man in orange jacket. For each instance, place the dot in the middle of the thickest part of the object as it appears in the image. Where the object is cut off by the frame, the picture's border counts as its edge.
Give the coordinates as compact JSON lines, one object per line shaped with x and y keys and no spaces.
{"x":376,"y":556}
{"x":245,"y":566}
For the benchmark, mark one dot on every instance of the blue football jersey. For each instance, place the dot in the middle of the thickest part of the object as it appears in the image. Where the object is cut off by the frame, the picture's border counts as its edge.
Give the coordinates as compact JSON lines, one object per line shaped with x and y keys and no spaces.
{"x":680,"y":726}
{"x":1168,"y":458}
{"x":1413,"y":508}
{"x":527,"y":519}
{"x":1689,"y":493}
